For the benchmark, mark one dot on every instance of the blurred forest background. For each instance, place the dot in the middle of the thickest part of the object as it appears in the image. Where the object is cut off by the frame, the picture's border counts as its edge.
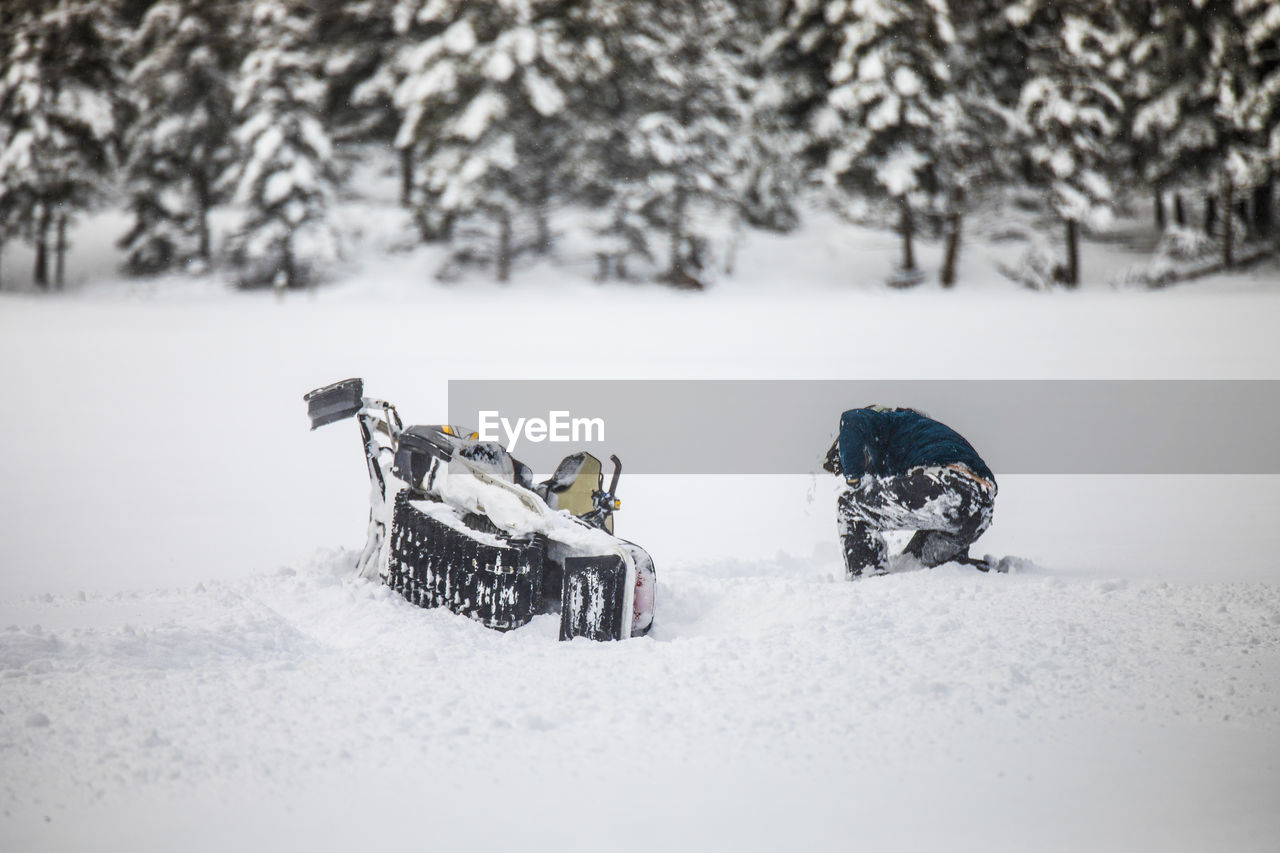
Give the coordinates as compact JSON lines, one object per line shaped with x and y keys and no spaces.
{"x":641,"y":128}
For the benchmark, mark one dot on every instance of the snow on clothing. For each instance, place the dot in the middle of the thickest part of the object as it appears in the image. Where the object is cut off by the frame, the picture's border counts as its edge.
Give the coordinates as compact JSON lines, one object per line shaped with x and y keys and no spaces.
{"x":907,"y":472}
{"x":947,"y":506}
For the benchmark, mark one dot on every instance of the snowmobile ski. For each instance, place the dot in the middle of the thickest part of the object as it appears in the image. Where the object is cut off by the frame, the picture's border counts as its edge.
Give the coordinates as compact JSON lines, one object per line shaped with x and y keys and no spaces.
{"x":594,"y":598}
{"x":334,"y":402}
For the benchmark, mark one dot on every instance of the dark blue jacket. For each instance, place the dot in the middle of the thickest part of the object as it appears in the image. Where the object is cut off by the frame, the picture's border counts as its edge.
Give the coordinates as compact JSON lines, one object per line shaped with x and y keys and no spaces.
{"x":889,"y":442}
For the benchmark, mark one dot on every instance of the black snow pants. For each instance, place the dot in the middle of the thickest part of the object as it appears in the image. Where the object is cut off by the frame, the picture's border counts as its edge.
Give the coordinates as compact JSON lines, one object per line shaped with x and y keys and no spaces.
{"x":948,"y":507}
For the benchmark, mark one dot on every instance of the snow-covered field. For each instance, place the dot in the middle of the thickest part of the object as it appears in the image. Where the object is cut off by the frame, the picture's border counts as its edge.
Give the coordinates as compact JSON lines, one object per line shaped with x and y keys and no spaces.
{"x":187,"y":664}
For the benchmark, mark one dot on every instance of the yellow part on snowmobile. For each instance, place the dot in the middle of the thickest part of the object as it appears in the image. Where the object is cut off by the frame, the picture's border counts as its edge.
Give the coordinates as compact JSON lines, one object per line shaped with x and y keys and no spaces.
{"x":576,"y":498}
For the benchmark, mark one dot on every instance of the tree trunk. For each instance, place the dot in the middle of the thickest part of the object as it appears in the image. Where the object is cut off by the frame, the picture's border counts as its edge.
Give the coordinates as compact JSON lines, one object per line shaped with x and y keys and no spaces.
{"x":1210,"y":214}
{"x":406,"y":176}
{"x":60,"y":252}
{"x":952,"y":254}
{"x":541,"y":220}
{"x":204,"y":202}
{"x":1243,"y":216}
{"x":907,"y":228}
{"x":677,"y":271}
{"x":288,"y":267}
{"x":542,"y":240}
{"x":1159,"y":210}
{"x":1227,"y":237}
{"x":731,"y":257}
{"x":1179,"y":211}
{"x":1264,"y":206}
{"x":40,"y":275}
{"x":1073,"y":253}
{"x":504,"y":247}
{"x":432,"y":229}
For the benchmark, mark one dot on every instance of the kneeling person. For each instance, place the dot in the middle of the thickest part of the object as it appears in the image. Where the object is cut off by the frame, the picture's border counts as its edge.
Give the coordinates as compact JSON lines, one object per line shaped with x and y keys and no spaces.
{"x":905,"y":471}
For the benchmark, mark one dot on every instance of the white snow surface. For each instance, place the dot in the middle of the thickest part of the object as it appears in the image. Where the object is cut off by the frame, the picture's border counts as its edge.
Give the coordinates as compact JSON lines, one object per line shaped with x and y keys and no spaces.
{"x":188,"y":663}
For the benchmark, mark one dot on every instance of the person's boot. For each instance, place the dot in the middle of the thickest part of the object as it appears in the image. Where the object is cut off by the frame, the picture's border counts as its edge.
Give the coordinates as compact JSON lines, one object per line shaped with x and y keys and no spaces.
{"x":935,"y":547}
{"x":977,"y":562}
{"x":916,"y":545}
{"x":861,"y":556}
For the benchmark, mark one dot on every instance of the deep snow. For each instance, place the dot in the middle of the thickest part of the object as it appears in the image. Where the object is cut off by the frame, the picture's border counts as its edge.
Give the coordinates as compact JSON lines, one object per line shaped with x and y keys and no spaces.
{"x":183,"y":669}
{"x":771,"y":706}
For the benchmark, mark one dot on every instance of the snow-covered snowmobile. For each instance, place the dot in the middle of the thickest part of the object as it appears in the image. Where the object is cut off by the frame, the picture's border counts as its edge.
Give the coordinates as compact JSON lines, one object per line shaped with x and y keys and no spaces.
{"x":459,"y":523}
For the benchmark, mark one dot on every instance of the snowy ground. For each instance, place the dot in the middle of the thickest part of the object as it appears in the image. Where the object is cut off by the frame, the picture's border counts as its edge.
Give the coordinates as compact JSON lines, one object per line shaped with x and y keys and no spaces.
{"x":188,"y":664}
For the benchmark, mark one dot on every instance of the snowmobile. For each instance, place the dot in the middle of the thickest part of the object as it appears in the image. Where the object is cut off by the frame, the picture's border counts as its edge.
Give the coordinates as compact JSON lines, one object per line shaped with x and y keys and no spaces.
{"x":456,"y":522}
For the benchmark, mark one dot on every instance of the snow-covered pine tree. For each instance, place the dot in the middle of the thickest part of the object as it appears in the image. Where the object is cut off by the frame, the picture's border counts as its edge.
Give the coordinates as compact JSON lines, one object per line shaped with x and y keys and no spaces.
{"x":978,"y":157}
{"x":1190,"y":86}
{"x":890,"y":107}
{"x":412,"y":22}
{"x":669,"y":148}
{"x":9,"y":191}
{"x":484,"y":98}
{"x":615,"y":232}
{"x":1072,"y":109}
{"x":8,"y":205}
{"x":357,"y":41}
{"x":775,"y":166}
{"x":990,"y":45}
{"x":800,"y":52}
{"x":184,"y":55}
{"x":1171,"y":126}
{"x":60,"y":116}
{"x":1241,"y":156}
{"x":363,"y":42}
{"x":286,"y":175}
{"x":1227,"y":151}
{"x":1261,"y":19}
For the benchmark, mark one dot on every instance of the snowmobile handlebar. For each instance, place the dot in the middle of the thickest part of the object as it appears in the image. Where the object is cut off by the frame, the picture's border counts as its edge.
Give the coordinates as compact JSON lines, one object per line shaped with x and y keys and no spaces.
{"x":617,"y":472}
{"x":606,"y":501}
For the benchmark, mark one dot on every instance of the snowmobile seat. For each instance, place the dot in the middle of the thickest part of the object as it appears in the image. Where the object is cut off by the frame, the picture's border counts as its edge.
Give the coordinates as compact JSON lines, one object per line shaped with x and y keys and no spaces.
{"x":494,"y":458}
{"x":419,"y":444}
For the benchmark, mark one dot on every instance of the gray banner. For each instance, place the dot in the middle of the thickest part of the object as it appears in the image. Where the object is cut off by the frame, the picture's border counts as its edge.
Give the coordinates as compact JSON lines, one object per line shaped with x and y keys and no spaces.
{"x":786,"y":426}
